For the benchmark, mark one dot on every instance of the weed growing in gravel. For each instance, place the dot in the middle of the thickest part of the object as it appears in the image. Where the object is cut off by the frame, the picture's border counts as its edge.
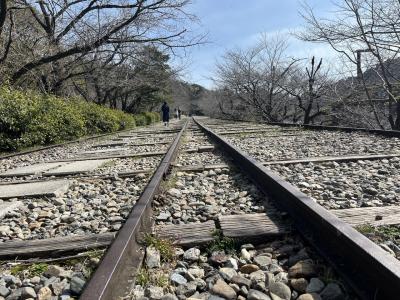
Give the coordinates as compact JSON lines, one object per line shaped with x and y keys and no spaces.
{"x":168,"y":184}
{"x":143,"y":277}
{"x":380,"y":233}
{"x":365,"y":228}
{"x":221,"y":242}
{"x":164,"y":246}
{"x":146,"y":277}
{"x":390,"y":232}
{"x":29,"y":270}
{"x":160,"y":280}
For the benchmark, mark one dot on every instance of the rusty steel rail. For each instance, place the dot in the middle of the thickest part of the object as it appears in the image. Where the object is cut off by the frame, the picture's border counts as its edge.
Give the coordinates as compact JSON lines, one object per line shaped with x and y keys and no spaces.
{"x":370,"y":271}
{"x":111,"y":279}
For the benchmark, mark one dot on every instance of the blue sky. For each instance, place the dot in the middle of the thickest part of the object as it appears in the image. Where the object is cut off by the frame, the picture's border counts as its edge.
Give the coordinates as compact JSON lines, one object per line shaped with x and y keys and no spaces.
{"x":238,"y":23}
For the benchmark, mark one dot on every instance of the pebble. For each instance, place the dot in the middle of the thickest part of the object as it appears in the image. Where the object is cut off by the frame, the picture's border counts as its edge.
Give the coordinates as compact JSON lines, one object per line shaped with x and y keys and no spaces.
{"x":299,"y":284}
{"x":332,"y":292}
{"x":227,"y":273}
{"x":240,"y":280}
{"x":315,"y":286}
{"x":249,"y":268}
{"x":245,"y":254}
{"x":152,"y":258}
{"x":196,"y":272}
{"x":4,"y":292}
{"x":263,"y":261}
{"x":174,"y":192}
{"x":304,"y":268}
{"x":309,"y":297}
{"x":154,"y":292}
{"x":257,"y":276}
{"x":221,"y":288}
{"x":169,"y":297}
{"x":44,"y":293}
{"x":177,"y":279}
{"x":281,"y":290}
{"x":77,"y":285}
{"x":192,"y":254}
{"x":257,"y":295}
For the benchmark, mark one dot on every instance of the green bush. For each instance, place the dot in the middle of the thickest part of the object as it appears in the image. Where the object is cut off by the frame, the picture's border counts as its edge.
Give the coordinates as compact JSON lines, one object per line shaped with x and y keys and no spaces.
{"x":157,"y":116}
{"x":147,"y":118}
{"x":150,"y":118}
{"x":140,"y":120}
{"x":28,"y":118}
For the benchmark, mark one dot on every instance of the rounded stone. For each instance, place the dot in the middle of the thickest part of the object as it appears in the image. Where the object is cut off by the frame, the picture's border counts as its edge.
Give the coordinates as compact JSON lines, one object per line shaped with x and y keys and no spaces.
{"x":281,"y":290}
{"x":192,"y":254}
{"x":227,"y":273}
{"x":177,"y":279}
{"x":263,"y":261}
{"x":221,"y":288}
{"x":299,"y":284}
{"x":44,"y":293}
{"x":332,"y":292}
{"x":309,"y":297}
{"x":303,"y":268}
{"x":315,"y":285}
{"x":257,"y":295}
{"x":257,"y":276}
{"x":249,"y":268}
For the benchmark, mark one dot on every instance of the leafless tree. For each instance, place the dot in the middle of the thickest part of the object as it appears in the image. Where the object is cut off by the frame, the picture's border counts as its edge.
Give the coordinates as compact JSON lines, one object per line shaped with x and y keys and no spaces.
{"x":309,"y":87}
{"x":70,"y":28}
{"x":371,"y":29}
{"x":255,"y":77}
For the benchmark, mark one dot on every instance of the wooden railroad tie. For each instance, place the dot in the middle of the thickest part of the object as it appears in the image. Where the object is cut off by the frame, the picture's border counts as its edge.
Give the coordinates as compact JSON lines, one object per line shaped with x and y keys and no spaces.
{"x":54,"y":246}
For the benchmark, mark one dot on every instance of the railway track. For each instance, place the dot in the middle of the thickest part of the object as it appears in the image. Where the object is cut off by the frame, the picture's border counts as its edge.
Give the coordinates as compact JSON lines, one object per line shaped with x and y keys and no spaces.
{"x":208,"y":204}
{"x":61,"y":207}
{"x":201,"y":227}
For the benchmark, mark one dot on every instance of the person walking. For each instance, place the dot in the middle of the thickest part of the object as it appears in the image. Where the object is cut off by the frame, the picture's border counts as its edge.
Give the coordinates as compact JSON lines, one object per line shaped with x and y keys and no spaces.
{"x":179,"y":113}
{"x":165,"y":113}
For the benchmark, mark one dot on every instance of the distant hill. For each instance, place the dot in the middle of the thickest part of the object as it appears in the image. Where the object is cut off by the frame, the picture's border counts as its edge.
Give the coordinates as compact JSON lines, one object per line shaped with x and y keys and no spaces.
{"x":191,"y":98}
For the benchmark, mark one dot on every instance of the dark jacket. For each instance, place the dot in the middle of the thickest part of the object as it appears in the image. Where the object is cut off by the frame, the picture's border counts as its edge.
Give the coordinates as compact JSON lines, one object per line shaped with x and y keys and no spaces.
{"x":165,"y":112}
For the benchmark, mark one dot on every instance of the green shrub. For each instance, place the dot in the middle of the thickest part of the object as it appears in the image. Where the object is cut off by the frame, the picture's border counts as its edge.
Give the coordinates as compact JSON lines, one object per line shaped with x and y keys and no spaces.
{"x":56,"y":120}
{"x":150,"y":118}
{"x":140,"y":120}
{"x":157,"y":116}
{"x":28,"y":118}
{"x":100,"y":119}
{"x":16,"y":112}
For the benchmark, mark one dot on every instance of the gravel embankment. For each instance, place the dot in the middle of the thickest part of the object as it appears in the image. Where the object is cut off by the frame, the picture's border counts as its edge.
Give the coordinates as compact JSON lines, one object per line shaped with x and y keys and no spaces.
{"x":279,"y":270}
{"x":89,"y":206}
{"x":315,"y":144}
{"x":347,"y":184}
{"x":199,"y":197}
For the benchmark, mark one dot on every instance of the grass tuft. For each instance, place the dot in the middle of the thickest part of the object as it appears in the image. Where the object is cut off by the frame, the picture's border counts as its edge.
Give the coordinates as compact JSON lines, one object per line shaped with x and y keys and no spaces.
{"x":222,"y":243}
{"x":143,"y":277}
{"x":29,"y":270}
{"x":164,"y":246}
